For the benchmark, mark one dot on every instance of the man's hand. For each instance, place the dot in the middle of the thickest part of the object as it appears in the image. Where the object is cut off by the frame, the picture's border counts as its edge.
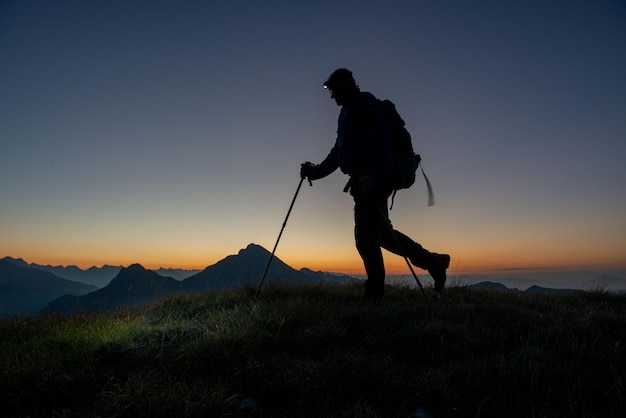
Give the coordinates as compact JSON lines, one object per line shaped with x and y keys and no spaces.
{"x":307,"y":170}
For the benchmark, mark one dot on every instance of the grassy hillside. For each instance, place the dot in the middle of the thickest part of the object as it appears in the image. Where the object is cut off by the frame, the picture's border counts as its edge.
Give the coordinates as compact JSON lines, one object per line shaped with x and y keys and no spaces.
{"x":317,"y":351}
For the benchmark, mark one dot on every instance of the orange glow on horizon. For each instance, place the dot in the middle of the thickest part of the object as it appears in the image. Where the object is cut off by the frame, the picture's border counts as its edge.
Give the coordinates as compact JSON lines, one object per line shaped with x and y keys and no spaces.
{"x":347,"y":262}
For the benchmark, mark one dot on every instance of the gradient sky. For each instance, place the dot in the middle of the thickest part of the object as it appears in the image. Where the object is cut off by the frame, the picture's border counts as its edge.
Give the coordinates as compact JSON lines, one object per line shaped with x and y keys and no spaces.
{"x":171,"y":133}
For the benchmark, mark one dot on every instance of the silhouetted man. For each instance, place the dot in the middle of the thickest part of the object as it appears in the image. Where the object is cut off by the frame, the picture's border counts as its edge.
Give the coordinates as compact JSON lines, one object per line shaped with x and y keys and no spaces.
{"x":362,"y":151}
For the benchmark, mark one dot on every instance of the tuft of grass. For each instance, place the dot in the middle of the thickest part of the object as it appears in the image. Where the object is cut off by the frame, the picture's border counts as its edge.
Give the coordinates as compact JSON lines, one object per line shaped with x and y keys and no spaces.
{"x":319,"y":351}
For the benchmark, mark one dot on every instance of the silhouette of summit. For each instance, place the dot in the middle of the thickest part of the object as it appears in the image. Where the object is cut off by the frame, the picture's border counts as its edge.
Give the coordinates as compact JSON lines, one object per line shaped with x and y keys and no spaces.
{"x":136,"y":281}
{"x":132,"y":286}
{"x":245,"y":268}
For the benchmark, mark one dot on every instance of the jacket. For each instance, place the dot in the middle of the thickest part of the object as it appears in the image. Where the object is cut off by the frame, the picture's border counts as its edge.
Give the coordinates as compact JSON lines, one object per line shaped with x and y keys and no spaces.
{"x":363,"y":144}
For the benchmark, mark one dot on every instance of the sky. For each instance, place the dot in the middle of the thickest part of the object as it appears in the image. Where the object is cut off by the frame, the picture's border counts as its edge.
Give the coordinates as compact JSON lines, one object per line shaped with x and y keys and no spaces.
{"x":171,"y":133}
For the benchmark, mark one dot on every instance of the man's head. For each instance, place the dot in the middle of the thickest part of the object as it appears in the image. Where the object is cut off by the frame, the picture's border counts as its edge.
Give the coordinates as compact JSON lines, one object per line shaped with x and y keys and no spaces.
{"x":341,"y":85}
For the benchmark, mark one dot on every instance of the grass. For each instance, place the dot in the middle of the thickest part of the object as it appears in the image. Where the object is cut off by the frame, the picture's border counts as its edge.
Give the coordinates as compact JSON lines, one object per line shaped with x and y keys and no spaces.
{"x":317,"y":351}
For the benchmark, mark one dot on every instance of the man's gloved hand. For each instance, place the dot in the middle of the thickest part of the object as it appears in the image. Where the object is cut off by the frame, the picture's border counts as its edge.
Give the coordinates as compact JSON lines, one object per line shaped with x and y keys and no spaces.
{"x":307,"y":170}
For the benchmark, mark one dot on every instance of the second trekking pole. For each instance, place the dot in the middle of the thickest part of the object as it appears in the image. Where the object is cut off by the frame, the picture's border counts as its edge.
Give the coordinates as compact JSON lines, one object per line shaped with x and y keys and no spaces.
{"x":281,"y":232}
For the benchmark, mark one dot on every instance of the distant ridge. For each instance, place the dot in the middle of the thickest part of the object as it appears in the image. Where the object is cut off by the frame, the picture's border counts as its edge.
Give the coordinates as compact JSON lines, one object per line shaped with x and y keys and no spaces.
{"x":531,"y":290}
{"x":492,"y":286}
{"x":97,"y":276}
{"x":607,"y":282}
{"x":25,"y":290}
{"x":178,"y":274}
{"x":132,"y":286}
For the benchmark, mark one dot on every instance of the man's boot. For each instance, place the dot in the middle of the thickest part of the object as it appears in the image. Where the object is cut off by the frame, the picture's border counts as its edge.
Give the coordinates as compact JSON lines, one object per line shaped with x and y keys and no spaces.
{"x":435,"y":264}
{"x":438,"y":265}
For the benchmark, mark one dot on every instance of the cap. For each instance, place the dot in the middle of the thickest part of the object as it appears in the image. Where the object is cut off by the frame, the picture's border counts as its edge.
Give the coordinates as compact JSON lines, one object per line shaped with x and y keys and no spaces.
{"x":342,"y":74}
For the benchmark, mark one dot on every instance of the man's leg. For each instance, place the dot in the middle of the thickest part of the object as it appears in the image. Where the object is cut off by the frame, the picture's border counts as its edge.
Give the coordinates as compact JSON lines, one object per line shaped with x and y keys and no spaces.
{"x":436,"y":264}
{"x":367,"y":234}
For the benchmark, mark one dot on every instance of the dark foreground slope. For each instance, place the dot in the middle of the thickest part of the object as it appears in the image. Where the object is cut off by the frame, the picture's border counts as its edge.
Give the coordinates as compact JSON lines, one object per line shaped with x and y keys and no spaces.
{"x":316,"y":351}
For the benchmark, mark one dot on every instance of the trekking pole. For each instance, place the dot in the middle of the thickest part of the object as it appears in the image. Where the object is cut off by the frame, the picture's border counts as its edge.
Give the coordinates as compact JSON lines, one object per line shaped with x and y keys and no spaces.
{"x":281,"y":232}
{"x":419,"y":284}
{"x":408,"y":263}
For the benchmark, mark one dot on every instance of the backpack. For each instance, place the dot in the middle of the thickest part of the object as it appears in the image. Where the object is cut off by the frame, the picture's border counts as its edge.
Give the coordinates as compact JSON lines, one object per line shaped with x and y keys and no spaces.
{"x":404,"y":160}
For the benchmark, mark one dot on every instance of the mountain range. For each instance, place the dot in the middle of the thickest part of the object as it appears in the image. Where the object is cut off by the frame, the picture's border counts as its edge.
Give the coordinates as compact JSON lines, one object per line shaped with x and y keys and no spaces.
{"x":499,"y":287}
{"x":29,"y":289}
{"x":97,"y":276}
{"x":134,"y":285}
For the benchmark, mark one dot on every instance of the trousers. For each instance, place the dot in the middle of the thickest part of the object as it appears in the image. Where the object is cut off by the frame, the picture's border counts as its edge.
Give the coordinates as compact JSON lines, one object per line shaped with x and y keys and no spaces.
{"x":373,"y":231}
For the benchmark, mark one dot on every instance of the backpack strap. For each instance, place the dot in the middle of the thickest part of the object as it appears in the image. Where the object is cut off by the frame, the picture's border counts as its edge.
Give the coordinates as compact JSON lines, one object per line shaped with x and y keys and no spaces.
{"x":393,"y":196}
{"x":431,"y":195}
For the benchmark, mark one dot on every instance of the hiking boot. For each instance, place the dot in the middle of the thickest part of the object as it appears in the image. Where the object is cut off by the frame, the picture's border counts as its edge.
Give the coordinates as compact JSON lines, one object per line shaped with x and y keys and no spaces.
{"x":373,"y":294}
{"x":372,"y":300}
{"x":437,"y":269}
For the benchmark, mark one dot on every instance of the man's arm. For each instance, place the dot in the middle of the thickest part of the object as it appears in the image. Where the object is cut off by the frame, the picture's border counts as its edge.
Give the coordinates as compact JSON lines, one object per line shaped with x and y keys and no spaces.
{"x":323,"y":169}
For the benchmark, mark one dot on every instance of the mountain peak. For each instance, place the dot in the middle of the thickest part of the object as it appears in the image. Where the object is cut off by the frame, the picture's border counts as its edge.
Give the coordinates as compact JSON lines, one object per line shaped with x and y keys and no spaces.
{"x":16,"y":261}
{"x":140,"y":280}
{"x":134,"y":273}
{"x":135,"y":267}
{"x":254,"y":249}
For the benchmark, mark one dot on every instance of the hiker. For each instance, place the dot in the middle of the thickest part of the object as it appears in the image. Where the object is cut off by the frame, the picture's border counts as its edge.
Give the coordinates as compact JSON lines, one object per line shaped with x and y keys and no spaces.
{"x":362,"y":151}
